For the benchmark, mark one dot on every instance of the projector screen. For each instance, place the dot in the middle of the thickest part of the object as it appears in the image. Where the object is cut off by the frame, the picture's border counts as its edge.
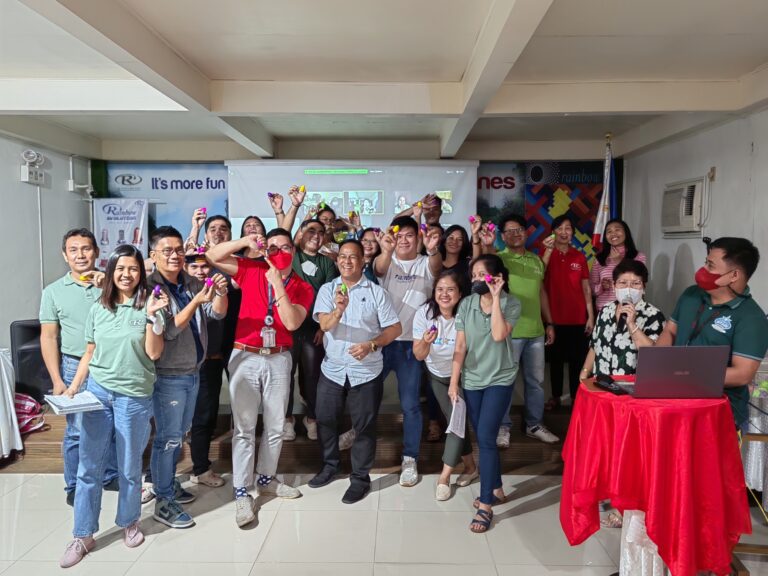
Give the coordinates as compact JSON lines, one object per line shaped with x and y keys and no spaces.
{"x":376,"y":189}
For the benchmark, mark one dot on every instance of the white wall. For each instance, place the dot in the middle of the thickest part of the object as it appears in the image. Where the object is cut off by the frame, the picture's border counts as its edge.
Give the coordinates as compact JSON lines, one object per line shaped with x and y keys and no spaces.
{"x":739,"y":203}
{"x":61,"y":210}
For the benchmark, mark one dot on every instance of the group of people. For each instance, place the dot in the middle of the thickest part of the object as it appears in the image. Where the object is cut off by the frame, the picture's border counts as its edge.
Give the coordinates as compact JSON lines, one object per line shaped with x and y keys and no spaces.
{"x":341,"y":307}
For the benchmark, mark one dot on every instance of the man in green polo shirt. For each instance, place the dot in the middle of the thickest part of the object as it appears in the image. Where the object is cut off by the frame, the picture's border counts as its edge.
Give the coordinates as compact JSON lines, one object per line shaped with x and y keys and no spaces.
{"x":526,"y":282}
{"x":719,"y":311}
{"x":64,"y":307}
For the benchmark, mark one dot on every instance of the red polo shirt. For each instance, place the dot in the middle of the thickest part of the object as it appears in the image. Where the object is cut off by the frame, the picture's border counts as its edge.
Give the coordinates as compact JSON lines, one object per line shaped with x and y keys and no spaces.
{"x":251,"y":276}
{"x":562,"y":281}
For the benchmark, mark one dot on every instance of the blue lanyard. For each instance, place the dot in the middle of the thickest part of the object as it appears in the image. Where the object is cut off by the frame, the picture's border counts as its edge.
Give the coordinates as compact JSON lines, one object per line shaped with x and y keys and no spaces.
{"x":270,"y":297}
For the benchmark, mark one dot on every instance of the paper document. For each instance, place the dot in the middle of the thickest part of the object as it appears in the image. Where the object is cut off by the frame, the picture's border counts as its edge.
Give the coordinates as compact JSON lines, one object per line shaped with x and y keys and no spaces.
{"x":458,"y":418}
{"x":83,"y":401}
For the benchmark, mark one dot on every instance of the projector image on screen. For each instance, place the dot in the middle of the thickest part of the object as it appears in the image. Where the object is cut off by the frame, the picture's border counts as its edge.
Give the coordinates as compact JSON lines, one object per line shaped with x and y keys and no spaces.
{"x":376,"y":190}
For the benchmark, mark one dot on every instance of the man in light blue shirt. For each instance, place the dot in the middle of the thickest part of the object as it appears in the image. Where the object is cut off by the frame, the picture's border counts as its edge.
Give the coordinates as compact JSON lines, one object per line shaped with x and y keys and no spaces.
{"x":358,"y":319}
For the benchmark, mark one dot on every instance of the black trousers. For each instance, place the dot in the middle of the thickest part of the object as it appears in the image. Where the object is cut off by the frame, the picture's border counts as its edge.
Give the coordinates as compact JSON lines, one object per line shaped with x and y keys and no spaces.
{"x":307,"y":358}
{"x":571,"y":345}
{"x":363,"y":402}
{"x":206,"y":414}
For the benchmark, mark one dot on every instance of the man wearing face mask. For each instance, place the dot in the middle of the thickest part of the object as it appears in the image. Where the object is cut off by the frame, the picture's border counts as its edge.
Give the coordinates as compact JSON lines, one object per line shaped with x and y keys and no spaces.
{"x":720,"y":311}
{"x":623,"y":325}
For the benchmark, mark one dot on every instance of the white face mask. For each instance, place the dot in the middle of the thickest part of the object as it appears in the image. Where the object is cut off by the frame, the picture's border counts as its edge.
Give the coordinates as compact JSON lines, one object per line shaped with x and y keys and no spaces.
{"x":633,"y":295}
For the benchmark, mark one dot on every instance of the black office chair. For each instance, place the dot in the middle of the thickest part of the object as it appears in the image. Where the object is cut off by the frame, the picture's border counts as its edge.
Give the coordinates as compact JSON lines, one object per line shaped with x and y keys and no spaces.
{"x":31,"y":375}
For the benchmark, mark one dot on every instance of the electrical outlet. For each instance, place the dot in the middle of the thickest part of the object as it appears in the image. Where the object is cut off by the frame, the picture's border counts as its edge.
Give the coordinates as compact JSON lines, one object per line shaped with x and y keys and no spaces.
{"x":32,"y":175}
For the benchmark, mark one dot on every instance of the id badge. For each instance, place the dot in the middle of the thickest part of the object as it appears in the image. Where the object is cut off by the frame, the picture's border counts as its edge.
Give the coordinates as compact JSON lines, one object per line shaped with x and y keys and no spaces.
{"x":268,"y":337}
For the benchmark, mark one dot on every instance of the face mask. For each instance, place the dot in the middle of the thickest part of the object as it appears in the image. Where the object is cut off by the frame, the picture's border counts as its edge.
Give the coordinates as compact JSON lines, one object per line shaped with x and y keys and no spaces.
{"x":480,"y":287}
{"x":707,"y":280}
{"x":633,"y":295}
{"x":281,"y":260}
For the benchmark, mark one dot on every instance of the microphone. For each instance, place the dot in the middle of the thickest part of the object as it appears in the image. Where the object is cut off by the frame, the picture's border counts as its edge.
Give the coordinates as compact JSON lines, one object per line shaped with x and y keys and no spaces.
{"x":621,"y":325}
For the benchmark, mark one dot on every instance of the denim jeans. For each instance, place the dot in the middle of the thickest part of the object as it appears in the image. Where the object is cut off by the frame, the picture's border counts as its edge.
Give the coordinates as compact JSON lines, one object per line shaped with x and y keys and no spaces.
{"x":485,"y":409}
{"x":530,"y":353}
{"x":173,"y":405}
{"x":70,"y":445}
{"x":398,"y":356}
{"x":126,"y":420}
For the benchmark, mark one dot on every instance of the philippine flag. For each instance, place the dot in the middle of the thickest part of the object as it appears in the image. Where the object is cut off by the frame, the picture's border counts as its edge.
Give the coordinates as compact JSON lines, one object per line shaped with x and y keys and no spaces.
{"x":607,"y":209}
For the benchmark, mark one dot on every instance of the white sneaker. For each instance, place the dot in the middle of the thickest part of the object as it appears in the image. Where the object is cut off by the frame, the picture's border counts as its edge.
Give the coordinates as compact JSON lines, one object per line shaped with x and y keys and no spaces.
{"x":347,"y":439}
{"x":311,"y":428}
{"x":244,"y":510}
{"x":147,"y":493}
{"x":208,"y":478}
{"x":289,"y":432}
{"x":277,"y":488}
{"x":502,"y":438}
{"x":443,"y":492}
{"x":409,"y":474}
{"x":540,"y":432}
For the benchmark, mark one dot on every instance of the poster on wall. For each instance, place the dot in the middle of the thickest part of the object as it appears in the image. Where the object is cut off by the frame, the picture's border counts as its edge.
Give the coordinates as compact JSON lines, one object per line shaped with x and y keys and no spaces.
{"x":542,"y":191}
{"x":174,"y":191}
{"x":118,"y":221}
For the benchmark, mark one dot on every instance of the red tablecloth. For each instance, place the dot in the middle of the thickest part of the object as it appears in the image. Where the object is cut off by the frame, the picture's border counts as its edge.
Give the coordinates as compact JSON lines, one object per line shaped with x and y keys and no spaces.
{"x":676,"y":460}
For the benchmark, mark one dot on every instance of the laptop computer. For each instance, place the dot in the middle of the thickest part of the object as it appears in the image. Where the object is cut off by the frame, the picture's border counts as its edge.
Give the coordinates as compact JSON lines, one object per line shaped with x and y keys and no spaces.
{"x":679,"y":372}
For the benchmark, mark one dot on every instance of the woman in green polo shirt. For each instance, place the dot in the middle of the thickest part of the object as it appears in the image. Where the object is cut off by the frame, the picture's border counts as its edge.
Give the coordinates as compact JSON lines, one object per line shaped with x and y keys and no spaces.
{"x":484,"y":364}
{"x":124,"y":336}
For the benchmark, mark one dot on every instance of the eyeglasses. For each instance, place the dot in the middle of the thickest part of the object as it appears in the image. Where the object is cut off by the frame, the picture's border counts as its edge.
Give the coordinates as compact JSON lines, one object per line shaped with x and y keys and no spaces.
{"x":272,"y":250}
{"x":514,"y":231}
{"x":635,"y":284}
{"x":405,"y":237}
{"x":168,"y":251}
{"x":351,"y":257}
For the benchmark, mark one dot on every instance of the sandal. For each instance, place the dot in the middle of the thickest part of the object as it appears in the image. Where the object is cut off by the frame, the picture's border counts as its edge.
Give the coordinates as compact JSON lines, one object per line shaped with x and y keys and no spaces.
{"x":434,"y":433}
{"x":496,"y":501}
{"x":478,"y":526}
{"x":552,"y":403}
{"x":612,"y":520}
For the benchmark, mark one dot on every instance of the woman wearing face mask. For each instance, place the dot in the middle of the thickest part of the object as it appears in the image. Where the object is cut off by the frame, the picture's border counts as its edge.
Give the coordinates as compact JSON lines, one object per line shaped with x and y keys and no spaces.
{"x":484,"y":364}
{"x":624,"y":325}
{"x":617,"y":245}
{"x":434,"y":340}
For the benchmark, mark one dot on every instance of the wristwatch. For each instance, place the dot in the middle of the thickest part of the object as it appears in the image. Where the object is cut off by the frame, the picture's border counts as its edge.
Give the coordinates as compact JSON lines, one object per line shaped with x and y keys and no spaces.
{"x":374,"y":346}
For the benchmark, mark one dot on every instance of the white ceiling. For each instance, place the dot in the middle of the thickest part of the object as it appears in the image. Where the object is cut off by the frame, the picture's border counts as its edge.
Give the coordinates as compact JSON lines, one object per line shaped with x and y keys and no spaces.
{"x":331,"y":41}
{"x":645,"y":40}
{"x":256,"y":71}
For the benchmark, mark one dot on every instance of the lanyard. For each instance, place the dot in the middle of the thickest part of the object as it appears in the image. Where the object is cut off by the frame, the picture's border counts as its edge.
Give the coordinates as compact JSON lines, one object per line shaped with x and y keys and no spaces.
{"x":696,"y":328}
{"x":270,"y":296}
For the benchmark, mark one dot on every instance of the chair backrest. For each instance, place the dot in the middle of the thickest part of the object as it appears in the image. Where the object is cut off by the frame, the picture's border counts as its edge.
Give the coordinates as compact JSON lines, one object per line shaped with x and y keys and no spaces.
{"x":31,"y":375}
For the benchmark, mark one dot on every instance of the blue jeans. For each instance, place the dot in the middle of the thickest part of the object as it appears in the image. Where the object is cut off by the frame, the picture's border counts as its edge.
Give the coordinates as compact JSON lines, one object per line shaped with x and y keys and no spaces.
{"x":398,"y":356}
{"x":124,"y":421}
{"x":485,"y":409}
{"x":70,"y":445}
{"x":173,"y":403}
{"x":530,"y":353}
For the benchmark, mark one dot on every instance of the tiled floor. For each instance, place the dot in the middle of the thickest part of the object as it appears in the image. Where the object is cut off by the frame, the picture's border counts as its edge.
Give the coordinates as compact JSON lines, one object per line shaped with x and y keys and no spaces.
{"x":394,"y":531}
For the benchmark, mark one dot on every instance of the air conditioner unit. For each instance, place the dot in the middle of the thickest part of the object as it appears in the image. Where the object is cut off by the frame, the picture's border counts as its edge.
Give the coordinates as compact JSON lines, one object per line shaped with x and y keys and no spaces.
{"x":681,"y":208}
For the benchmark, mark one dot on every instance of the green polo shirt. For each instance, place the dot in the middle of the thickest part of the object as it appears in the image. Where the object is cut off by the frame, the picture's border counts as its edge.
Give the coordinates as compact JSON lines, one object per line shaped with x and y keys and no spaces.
{"x":739,"y":324}
{"x":119,"y":361}
{"x":315,"y":270}
{"x":526,"y":275}
{"x":487,"y":363}
{"x":66,"y":303}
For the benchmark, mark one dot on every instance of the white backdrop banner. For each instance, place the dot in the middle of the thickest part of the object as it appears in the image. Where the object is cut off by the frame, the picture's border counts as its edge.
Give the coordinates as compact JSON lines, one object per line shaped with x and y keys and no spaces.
{"x":119,"y":221}
{"x":377,"y":189}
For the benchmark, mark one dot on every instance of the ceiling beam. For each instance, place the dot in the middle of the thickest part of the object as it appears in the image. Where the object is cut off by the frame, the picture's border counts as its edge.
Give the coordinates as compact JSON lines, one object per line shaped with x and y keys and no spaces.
{"x":508,"y":28}
{"x":250,"y":134}
{"x":244,"y":98}
{"x":616,"y":97}
{"x":50,"y":135}
{"x":665,"y":129}
{"x":531,"y":150}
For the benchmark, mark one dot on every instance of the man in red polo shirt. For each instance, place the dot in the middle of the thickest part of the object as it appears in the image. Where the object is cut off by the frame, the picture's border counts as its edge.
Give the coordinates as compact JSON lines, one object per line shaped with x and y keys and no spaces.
{"x":566,"y":281}
{"x":275,"y":302}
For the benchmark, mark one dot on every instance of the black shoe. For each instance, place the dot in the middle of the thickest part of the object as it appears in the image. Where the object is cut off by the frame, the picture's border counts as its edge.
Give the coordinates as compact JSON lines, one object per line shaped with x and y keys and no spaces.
{"x":325,"y":477}
{"x":112,"y":486}
{"x":71,"y":498}
{"x":355,"y":493}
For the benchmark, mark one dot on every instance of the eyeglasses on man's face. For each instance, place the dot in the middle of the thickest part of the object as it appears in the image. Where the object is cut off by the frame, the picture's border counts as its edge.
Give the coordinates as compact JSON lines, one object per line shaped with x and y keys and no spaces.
{"x":272,"y":250}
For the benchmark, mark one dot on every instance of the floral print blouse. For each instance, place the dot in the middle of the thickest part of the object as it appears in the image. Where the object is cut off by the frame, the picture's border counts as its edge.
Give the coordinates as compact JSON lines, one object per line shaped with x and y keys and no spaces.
{"x":617,"y":353}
